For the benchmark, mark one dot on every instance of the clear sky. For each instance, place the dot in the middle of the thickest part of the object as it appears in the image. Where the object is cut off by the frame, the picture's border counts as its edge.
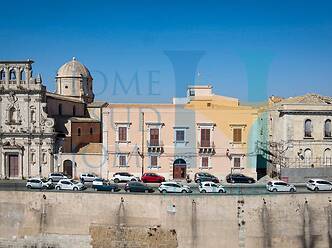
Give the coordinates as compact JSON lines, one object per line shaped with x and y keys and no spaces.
{"x":271,"y":47}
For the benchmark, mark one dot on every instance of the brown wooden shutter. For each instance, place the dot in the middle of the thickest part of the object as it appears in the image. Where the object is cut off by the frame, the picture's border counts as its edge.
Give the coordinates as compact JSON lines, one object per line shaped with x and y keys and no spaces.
{"x":237,"y":135}
{"x":122,"y":134}
{"x":205,"y":137}
{"x":154,"y":136}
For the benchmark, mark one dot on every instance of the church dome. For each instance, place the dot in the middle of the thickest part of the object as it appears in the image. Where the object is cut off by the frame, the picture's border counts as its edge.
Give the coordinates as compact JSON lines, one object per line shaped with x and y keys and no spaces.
{"x":73,"y":68}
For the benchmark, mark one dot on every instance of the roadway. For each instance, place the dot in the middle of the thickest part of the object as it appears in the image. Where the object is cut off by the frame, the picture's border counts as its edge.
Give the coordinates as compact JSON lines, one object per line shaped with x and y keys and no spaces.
{"x":231,"y":189}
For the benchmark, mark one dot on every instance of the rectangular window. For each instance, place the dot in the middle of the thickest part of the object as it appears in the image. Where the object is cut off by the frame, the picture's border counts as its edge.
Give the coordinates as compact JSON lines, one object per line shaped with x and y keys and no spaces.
{"x":154,"y":136}
{"x":122,"y":134}
{"x":205,"y":162}
{"x":237,"y":162}
{"x":237,"y":135}
{"x":179,"y":135}
{"x":205,"y":137}
{"x":122,"y":160}
{"x":154,"y":161}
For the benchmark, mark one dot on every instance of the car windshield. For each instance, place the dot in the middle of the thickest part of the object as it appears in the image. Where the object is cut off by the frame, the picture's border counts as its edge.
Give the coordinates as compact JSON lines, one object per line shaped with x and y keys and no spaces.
{"x":73,"y":181}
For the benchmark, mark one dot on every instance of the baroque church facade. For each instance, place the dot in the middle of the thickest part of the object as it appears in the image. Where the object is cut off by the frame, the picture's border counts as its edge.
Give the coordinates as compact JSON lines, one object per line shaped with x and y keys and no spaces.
{"x":37,"y":126}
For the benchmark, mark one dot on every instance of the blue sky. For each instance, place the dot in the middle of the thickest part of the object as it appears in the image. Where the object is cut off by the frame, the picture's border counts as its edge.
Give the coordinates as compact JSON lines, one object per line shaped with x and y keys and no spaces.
{"x":271,"y":47}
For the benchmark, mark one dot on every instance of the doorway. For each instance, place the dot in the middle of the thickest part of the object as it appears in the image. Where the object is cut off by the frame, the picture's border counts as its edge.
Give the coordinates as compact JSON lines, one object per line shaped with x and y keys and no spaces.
{"x":179,"y":169}
{"x":12,"y":165}
{"x":68,"y":168}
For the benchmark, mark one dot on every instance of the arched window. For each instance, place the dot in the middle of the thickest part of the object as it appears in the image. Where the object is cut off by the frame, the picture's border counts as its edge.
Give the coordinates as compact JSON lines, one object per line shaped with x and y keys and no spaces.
{"x":2,"y":75}
{"x":74,"y":110}
{"x":307,"y":128}
{"x":91,"y":130}
{"x":327,"y":157}
{"x":327,"y":129}
{"x":60,"y":109}
{"x":78,"y":131}
{"x":12,"y":115}
{"x":307,"y":156}
{"x":12,"y":75}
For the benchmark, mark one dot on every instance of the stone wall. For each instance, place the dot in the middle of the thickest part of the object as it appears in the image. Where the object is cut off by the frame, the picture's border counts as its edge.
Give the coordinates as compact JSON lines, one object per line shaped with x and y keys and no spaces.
{"x":60,"y":219}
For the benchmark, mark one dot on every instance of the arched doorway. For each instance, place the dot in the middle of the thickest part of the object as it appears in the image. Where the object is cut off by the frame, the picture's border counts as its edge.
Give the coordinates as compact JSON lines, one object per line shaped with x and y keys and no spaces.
{"x":68,"y":168}
{"x":179,"y":169}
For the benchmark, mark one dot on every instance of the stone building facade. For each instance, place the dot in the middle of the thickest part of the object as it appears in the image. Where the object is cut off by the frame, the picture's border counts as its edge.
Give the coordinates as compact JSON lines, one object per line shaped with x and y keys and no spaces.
{"x":26,"y":132}
{"x":296,"y":133}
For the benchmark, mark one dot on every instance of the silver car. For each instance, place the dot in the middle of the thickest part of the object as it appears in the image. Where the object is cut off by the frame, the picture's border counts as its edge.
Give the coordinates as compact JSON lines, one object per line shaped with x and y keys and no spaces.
{"x":319,"y":184}
{"x":173,"y":187}
{"x":38,"y":183}
{"x":56,"y":177}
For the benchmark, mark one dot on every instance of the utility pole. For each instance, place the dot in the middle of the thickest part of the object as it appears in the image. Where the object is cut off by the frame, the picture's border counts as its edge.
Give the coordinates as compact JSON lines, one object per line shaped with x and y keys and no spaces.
{"x":142,"y":153}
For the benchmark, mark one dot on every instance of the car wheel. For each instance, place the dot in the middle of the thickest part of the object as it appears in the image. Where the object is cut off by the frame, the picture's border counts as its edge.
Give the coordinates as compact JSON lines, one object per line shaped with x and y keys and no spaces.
{"x":133,"y":180}
{"x":316,"y":189}
{"x":221,"y":191}
{"x":50,"y":180}
{"x":203,"y":191}
{"x":116,"y":180}
{"x":198,"y":181}
{"x":292,"y":190}
{"x":232,"y":181}
{"x":29,"y":186}
{"x":274,"y":190}
{"x":95,"y":189}
{"x":183,"y":191}
{"x":75,"y":189}
{"x":57,"y":188}
{"x":44,"y":187}
{"x":164,"y":191}
{"x":146,"y":191}
{"x":251,"y":181}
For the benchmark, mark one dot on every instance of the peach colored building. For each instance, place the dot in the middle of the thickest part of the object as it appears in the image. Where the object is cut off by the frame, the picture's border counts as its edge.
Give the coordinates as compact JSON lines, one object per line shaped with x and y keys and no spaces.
{"x":202,"y":132}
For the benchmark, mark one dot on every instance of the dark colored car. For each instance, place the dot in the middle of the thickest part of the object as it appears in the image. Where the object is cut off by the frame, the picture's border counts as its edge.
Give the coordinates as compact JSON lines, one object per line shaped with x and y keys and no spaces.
{"x":205,"y":177}
{"x":107,"y":187}
{"x":152,"y":178}
{"x":239,"y":178}
{"x":138,"y":187}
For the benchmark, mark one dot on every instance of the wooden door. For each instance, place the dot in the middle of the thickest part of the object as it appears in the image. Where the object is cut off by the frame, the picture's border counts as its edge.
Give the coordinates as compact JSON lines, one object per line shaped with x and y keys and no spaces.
{"x":13,"y":165}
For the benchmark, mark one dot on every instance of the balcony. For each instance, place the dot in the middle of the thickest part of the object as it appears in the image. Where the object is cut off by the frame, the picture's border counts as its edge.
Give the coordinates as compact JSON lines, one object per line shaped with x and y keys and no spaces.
{"x":155,"y":146}
{"x":206,"y":147}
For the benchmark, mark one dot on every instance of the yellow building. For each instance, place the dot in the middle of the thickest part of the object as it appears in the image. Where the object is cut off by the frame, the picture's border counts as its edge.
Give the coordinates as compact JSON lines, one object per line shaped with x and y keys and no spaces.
{"x":202,"y":132}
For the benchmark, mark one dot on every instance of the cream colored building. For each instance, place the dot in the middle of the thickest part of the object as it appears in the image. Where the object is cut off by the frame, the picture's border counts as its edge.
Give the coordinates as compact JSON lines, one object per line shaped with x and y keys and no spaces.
{"x":202,"y":132}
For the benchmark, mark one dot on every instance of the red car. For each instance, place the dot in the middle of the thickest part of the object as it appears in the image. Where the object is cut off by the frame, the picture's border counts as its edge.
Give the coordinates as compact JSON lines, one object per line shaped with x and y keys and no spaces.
{"x":152,"y":178}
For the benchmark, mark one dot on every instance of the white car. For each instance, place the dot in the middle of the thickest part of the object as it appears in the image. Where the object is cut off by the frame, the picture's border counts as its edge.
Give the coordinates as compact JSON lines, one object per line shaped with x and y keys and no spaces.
{"x":87,"y":177}
{"x":319,"y":184}
{"x":98,"y":181}
{"x":280,"y":186}
{"x":173,"y":187}
{"x":67,"y":184}
{"x":124,"y":177}
{"x":211,"y":187}
{"x":38,"y":183}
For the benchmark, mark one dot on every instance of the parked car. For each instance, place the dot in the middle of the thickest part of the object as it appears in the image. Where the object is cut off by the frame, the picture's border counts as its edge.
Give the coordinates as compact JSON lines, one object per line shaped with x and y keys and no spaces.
{"x":173,"y":187}
{"x":239,"y":178}
{"x":138,"y":187}
{"x":38,"y":183}
{"x":152,"y":178}
{"x":69,"y":184}
{"x":280,"y":186}
{"x":98,"y":181}
{"x":319,"y":184}
{"x":211,"y":187}
{"x":56,"y":176}
{"x":124,"y":177}
{"x":204,"y":177}
{"x":87,"y":177}
{"x":107,"y":187}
